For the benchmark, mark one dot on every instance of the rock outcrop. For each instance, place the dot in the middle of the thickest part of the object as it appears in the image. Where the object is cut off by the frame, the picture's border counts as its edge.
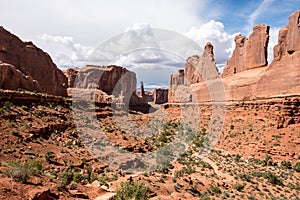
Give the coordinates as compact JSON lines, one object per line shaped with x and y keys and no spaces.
{"x":31,"y":62}
{"x":111,"y":79}
{"x":246,"y":75}
{"x":160,"y":95}
{"x":13,"y":79}
{"x":249,"y":53}
{"x":198,"y":69}
{"x":201,"y":68}
{"x":105,"y":84}
{"x":283,"y":75}
{"x":178,"y":89}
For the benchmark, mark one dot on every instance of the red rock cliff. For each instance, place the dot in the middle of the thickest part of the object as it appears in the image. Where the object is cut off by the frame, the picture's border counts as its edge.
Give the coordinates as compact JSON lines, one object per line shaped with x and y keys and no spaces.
{"x":249,"y":53}
{"x":282,"y":77}
{"x":31,"y":62}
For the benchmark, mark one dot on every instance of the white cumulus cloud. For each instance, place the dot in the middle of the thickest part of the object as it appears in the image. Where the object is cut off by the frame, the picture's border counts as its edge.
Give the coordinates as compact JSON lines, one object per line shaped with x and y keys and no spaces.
{"x":74,"y":54}
{"x":214,"y":32}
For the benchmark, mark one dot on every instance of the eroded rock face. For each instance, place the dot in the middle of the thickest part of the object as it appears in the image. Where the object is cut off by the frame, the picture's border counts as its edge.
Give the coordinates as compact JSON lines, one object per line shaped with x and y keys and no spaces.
{"x":293,"y":36}
{"x":32,"y":61}
{"x":200,"y":68}
{"x":282,"y":77}
{"x":13,"y":79}
{"x":249,"y":53}
{"x":160,"y":96}
{"x":104,"y":84}
{"x":178,"y":90}
{"x":109,"y":79}
{"x":71,"y":74}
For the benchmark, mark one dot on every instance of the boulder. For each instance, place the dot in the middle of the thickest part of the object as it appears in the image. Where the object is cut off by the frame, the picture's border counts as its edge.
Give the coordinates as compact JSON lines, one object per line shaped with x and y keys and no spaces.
{"x":41,"y":193}
{"x":13,"y":79}
{"x":249,"y":53}
{"x":33,"y":62}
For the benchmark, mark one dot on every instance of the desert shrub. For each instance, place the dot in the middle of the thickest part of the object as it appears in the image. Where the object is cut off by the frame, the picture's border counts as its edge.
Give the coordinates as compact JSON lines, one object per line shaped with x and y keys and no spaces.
{"x":15,"y":133}
{"x":18,"y":173}
{"x":35,"y":166}
{"x":239,"y":187}
{"x":286,"y":164}
{"x":8,"y":104}
{"x":297,"y":167}
{"x":130,"y":190}
{"x":246,"y":177}
{"x":21,"y":172}
{"x":272,"y":178}
{"x":48,"y":156}
{"x":77,"y":177}
{"x":65,"y":178}
{"x":2,"y":111}
{"x":24,"y":107}
{"x":214,"y":190}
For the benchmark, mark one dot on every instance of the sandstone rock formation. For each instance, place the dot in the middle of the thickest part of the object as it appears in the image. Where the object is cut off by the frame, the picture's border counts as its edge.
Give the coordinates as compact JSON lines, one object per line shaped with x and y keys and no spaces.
{"x":178,"y":90}
{"x":111,"y":79}
{"x":160,"y":96}
{"x":104,"y":84}
{"x":31,"y":62}
{"x":201,"y":68}
{"x":13,"y":79}
{"x":283,"y":75}
{"x":71,"y":74}
{"x":249,"y":53}
{"x":246,"y":75}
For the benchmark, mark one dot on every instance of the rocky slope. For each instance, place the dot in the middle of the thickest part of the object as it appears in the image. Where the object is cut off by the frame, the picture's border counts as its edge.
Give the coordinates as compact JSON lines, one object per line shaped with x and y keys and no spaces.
{"x":255,"y":156}
{"x":34,"y":65}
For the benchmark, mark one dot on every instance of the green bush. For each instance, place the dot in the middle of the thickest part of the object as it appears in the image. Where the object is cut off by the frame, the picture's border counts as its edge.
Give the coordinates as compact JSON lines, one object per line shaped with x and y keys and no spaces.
{"x":77,"y":177}
{"x":239,"y":187}
{"x":21,"y":172}
{"x":48,"y":156}
{"x":65,"y":178}
{"x":215,"y":190}
{"x":286,"y":164}
{"x":297,"y":167}
{"x":133,"y":191}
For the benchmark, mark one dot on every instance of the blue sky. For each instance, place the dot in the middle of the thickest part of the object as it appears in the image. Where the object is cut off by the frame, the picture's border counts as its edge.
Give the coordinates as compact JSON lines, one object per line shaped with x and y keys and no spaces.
{"x":69,"y":30}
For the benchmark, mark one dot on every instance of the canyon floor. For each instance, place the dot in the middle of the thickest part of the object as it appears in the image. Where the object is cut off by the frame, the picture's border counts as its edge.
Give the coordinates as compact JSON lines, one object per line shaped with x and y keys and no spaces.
{"x":46,"y":150}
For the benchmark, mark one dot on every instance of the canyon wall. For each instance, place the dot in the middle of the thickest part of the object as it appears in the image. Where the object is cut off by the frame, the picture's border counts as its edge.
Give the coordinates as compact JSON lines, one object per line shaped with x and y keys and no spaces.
{"x":249,"y":53}
{"x":32,"y":63}
{"x":247,"y":74}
